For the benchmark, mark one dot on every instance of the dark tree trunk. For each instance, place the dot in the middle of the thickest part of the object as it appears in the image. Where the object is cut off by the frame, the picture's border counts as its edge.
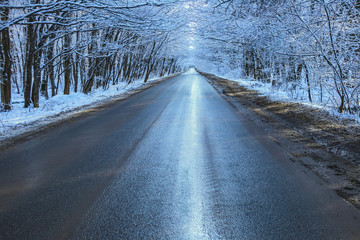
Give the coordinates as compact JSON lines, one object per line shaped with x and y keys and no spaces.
{"x":44,"y":86}
{"x":124,"y":66}
{"x":170,"y":65}
{"x":92,"y":63}
{"x":67,"y":65}
{"x":76,"y":73}
{"x":258,"y":72}
{"x":342,"y":104}
{"x":162,"y":71}
{"x":29,"y":62}
{"x":51,"y":70}
{"x":148,"y":70}
{"x":45,"y":80}
{"x":76,"y":64}
{"x":5,"y":65}
{"x":149,"y":64}
{"x":128,"y":70}
{"x":299,"y":72}
{"x":250,"y":62}
{"x":307,"y":81}
{"x":37,"y":79}
{"x":37,"y":71}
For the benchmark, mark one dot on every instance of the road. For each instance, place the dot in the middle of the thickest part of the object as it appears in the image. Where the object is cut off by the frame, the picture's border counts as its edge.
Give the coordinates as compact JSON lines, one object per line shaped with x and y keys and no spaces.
{"x":175,"y":161}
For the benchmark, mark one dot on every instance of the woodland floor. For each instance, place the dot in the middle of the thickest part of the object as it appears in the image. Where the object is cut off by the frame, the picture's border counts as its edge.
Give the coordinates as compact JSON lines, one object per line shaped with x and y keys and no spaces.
{"x":328,"y":146}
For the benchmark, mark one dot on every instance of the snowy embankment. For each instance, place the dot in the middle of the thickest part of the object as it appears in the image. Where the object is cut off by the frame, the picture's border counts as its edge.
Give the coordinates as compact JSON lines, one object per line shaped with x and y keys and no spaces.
{"x":294,"y":95}
{"x":20,"y":120}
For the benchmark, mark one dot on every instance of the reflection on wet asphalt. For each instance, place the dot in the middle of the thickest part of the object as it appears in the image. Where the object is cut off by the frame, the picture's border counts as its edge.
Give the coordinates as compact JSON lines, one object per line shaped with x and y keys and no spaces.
{"x":173,"y":162}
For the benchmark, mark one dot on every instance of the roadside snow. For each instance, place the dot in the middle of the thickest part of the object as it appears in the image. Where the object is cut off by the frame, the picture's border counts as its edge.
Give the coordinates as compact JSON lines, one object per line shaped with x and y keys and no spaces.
{"x":20,"y":120}
{"x":279,"y":94}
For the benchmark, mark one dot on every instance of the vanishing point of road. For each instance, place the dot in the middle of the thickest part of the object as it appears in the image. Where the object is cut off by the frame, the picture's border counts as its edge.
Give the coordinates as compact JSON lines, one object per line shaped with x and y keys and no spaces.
{"x":175,"y":161}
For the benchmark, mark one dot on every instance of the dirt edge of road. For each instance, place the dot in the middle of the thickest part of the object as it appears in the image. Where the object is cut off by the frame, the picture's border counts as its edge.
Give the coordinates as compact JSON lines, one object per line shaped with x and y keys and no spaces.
{"x":328,"y":146}
{"x":33,"y":129}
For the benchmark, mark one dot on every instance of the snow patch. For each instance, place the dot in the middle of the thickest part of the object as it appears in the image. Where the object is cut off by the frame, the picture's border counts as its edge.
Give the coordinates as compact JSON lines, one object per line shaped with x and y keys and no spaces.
{"x":280,"y":94}
{"x":20,"y":120}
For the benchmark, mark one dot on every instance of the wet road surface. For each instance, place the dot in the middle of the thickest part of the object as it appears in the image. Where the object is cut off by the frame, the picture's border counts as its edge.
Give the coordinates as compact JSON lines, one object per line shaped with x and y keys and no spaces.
{"x":176,"y":161}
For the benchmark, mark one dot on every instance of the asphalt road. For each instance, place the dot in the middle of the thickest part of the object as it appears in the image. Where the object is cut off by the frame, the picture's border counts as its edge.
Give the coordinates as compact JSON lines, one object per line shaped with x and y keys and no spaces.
{"x":175,"y":161}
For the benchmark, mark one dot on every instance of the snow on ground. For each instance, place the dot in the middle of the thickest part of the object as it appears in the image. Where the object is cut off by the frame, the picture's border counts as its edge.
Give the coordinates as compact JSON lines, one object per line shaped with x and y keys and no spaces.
{"x":279,"y":94}
{"x":20,"y":120}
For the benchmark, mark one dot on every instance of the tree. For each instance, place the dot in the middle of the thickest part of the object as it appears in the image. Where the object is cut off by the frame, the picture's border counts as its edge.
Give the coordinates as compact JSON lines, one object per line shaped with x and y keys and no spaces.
{"x":67,"y":43}
{"x":295,"y":44}
{"x":5,"y":61}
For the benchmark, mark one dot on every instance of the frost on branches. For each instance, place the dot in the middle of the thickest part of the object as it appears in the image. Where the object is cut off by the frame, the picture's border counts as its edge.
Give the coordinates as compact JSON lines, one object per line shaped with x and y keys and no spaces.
{"x":48,"y":46}
{"x":309,"y":49}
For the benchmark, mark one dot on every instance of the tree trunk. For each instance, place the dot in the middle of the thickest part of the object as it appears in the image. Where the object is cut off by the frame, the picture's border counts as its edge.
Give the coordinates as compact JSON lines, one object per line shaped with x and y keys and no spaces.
{"x":124,"y":66}
{"x":258,"y":72}
{"x":162,"y":71}
{"x":148,"y":70}
{"x":44,"y":83}
{"x":299,"y":72}
{"x":5,"y":67}
{"x":249,"y":62}
{"x":76,"y":73}
{"x":76,"y":63}
{"x":128,"y":70}
{"x":342,"y":104}
{"x":92,"y":63}
{"x":149,"y":65}
{"x":307,"y":81}
{"x":37,"y":79}
{"x":67,"y":65}
{"x":30,"y":49}
{"x":44,"y":86}
{"x":37,"y":75}
{"x":170,"y":65}
{"x":51,"y":70}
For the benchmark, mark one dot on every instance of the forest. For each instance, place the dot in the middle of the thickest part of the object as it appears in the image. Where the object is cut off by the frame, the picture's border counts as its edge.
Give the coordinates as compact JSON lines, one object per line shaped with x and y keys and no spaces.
{"x":49,"y":47}
{"x":309,"y":46}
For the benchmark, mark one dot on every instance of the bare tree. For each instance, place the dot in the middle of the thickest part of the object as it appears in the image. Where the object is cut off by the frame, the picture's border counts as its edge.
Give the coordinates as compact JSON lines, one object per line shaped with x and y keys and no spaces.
{"x":5,"y":61}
